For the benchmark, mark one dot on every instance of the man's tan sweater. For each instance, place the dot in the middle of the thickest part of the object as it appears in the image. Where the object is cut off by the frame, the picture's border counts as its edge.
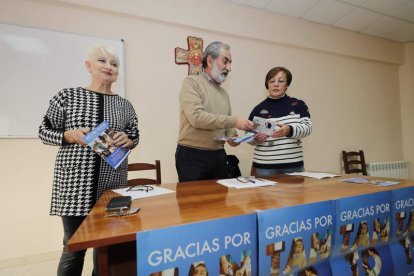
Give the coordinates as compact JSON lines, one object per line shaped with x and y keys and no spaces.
{"x":205,"y":114}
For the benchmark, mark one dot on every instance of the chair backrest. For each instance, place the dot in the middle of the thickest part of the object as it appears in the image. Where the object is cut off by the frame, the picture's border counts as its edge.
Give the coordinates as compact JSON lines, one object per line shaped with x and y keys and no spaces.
{"x":252,"y":170}
{"x":144,"y":167}
{"x":354,"y":162}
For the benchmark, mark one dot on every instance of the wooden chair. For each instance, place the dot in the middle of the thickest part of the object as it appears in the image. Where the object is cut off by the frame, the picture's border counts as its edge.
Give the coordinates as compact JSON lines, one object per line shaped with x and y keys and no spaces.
{"x":252,"y":170}
{"x":354,"y":162}
{"x":144,"y":167}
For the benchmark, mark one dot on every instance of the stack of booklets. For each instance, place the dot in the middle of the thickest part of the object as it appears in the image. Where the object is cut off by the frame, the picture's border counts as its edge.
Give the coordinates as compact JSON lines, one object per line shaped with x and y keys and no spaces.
{"x":360,"y":180}
{"x":317,"y":175}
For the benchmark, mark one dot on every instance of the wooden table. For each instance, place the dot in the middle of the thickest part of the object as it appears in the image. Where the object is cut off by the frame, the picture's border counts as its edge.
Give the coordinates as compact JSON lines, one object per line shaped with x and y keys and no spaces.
{"x":198,"y":201}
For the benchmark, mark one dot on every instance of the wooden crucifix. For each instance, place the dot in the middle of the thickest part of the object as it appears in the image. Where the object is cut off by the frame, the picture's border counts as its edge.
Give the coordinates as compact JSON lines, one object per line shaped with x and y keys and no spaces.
{"x":192,"y":56}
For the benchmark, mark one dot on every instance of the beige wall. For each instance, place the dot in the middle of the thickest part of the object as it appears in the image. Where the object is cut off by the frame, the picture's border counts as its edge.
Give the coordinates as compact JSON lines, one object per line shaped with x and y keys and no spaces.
{"x":351,"y":83}
{"x":407,"y":104}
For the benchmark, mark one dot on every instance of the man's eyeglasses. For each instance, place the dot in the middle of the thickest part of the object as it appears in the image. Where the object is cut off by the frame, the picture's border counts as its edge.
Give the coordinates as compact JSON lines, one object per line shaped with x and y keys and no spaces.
{"x":143,"y":188}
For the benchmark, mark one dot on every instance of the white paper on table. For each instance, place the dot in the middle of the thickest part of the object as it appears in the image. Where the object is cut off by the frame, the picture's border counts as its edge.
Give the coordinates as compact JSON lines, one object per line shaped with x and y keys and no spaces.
{"x":143,"y":194}
{"x":234,"y":183}
{"x":314,"y":175}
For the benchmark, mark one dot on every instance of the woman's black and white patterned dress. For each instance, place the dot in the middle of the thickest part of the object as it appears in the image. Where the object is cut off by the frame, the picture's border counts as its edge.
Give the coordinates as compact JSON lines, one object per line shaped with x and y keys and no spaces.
{"x":81,"y":175}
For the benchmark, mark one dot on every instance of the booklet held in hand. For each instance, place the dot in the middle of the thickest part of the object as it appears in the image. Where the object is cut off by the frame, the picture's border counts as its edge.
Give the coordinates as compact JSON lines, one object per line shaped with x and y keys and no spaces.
{"x":100,"y":140}
{"x":265,"y":125}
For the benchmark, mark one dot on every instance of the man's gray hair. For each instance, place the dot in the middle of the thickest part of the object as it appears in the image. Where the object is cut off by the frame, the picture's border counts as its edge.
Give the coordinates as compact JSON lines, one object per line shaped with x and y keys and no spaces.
{"x":213,"y":50}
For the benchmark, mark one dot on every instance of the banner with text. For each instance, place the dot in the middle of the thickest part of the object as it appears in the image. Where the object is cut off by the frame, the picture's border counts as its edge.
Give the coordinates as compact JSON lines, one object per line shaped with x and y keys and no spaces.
{"x":296,"y":240}
{"x":362,"y":221}
{"x":403,"y":231}
{"x":369,"y":261}
{"x":363,"y":228}
{"x":225,"y":246}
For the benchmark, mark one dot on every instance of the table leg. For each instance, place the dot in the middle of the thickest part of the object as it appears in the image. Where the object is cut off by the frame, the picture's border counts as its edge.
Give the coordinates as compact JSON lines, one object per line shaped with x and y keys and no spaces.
{"x":103,"y":261}
{"x":117,"y":259}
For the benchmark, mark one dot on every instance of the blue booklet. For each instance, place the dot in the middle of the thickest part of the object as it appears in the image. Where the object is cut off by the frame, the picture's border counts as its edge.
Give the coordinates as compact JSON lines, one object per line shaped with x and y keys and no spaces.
{"x":100,"y":140}
{"x":361,"y":180}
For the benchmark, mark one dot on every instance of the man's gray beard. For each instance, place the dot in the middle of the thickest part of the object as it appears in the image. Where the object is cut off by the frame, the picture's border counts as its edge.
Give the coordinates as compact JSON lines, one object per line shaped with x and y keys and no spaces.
{"x":217,"y":75}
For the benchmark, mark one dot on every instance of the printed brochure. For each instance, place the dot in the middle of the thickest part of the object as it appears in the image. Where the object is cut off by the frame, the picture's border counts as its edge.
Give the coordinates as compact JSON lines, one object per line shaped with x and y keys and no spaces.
{"x":100,"y":140}
{"x":360,"y":180}
{"x":265,"y":125}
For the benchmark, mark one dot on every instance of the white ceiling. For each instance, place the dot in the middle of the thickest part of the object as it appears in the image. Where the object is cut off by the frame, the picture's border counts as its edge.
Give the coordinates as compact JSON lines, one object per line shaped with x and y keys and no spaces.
{"x":390,"y":19}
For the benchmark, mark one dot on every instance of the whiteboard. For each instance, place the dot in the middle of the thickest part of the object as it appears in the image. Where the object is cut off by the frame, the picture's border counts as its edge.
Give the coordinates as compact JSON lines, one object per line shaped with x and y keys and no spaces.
{"x":35,"y":65}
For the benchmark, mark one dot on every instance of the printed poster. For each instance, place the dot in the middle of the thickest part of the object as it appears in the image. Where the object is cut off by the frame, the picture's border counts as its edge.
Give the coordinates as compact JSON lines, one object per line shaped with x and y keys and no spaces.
{"x":402,"y":248}
{"x":297,"y":239}
{"x":216,"y":247}
{"x":362,"y":236}
{"x":369,"y":261}
{"x":362,"y":222}
{"x":322,"y":268}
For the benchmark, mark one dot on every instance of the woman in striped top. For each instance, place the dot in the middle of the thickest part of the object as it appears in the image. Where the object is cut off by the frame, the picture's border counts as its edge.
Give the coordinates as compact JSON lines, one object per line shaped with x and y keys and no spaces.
{"x":280,"y":152}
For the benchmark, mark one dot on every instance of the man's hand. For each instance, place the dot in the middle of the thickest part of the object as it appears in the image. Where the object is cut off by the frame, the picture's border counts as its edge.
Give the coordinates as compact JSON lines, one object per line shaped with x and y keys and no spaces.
{"x":232,"y":143}
{"x":244,"y":124}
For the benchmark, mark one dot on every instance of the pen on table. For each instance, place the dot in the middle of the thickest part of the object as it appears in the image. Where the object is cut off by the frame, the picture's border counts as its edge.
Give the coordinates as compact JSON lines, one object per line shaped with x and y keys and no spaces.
{"x":251,"y":180}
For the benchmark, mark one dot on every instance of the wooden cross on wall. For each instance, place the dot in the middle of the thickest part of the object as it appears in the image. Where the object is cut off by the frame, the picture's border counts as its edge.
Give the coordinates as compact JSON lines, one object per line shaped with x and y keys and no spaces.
{"x":192,"y":57}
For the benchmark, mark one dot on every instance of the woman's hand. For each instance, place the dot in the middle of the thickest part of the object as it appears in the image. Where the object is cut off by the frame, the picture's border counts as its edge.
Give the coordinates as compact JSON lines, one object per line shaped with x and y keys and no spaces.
{"x":73,"y":136}
{"x":260,"y":137}
{"x":121,"y":139}
{"x":283,"y":131}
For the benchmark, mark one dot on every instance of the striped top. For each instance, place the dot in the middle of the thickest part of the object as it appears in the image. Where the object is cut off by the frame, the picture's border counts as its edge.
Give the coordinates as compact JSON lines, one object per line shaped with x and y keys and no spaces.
{"x":286,"y":152}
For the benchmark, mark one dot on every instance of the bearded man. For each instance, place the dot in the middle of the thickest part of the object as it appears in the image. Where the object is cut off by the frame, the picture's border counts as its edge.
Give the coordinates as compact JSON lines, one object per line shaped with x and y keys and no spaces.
{"x":205,"y":118}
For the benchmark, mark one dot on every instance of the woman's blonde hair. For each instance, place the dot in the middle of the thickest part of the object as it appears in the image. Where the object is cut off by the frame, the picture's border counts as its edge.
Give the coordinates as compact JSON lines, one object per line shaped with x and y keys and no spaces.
{"x":96,"y":49}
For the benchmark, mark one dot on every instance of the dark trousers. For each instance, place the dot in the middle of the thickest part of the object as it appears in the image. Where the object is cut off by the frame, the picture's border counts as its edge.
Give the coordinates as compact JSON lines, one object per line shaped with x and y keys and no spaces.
{"x":196,"y":164}
{"x":71,"y":263}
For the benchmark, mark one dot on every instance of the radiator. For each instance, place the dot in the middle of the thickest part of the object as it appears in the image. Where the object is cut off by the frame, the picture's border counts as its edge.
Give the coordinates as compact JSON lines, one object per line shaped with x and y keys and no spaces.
{"x":394,"y":169}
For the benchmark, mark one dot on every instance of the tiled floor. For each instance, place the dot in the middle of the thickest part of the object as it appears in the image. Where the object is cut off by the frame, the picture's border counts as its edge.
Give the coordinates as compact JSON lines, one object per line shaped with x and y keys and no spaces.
{"x":45,"y":268}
